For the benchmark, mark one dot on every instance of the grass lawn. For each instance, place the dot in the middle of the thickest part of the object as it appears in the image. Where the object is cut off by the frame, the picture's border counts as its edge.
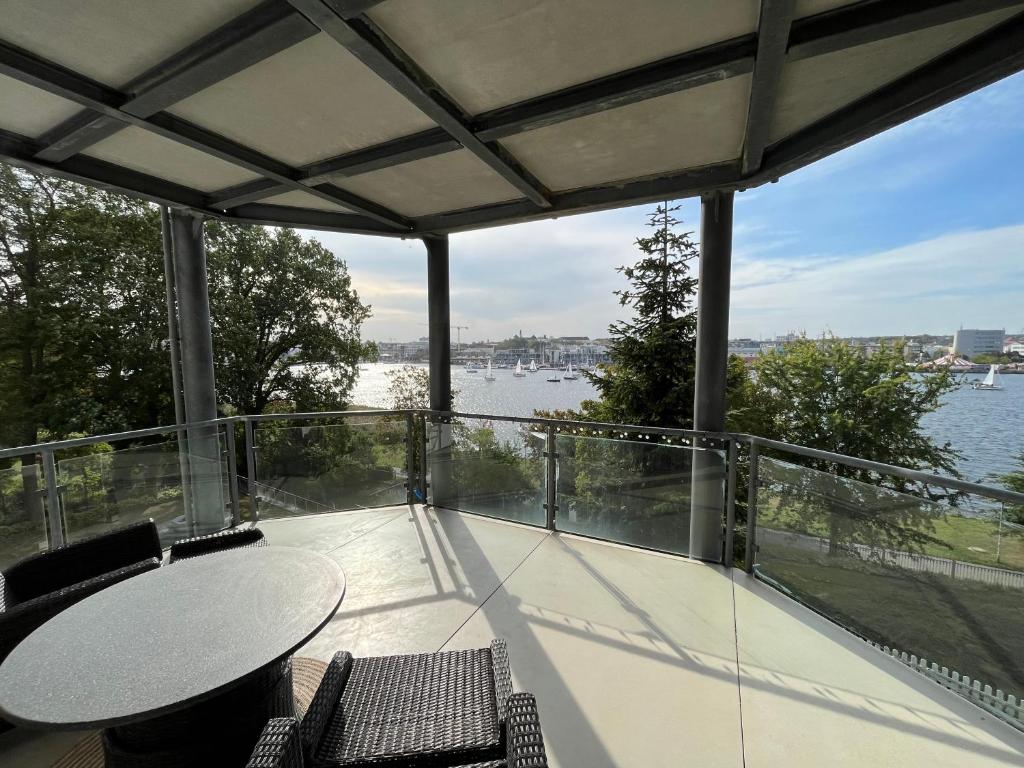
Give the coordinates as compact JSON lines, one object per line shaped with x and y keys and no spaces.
{"x":973,"y":628}
{"x":970,"y":539}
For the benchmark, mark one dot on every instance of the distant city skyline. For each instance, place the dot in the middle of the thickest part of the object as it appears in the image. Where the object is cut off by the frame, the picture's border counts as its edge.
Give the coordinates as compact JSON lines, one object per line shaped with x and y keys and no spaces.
{"x":917,"y":230}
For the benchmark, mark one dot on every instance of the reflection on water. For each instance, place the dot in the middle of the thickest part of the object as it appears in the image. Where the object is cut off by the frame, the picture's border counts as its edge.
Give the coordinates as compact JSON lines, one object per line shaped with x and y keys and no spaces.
{"x":986,"y":427}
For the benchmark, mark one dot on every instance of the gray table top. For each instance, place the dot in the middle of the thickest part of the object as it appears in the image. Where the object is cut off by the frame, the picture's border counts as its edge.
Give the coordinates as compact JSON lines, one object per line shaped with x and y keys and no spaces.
{"x":168,"y":638}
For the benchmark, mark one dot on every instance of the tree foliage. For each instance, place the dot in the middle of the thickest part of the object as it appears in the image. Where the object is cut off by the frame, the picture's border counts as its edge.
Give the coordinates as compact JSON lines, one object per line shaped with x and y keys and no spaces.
{"x":286,"y":319}
{"x":1015,"y":482}
{"x":650,"y":378}
{"x":827,"y":394}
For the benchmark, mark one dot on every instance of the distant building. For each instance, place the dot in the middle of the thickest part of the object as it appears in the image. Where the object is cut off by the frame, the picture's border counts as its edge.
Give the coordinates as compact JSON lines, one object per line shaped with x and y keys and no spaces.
{"x":968,"y":342}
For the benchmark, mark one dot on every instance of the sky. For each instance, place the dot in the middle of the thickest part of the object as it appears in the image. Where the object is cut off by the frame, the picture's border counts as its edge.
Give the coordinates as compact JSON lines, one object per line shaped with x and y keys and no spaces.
{"x":917,"y":230}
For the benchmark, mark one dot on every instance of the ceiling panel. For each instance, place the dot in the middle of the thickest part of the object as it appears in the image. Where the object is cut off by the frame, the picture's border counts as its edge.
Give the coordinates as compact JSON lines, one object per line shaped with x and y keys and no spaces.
{"x":812,"y":88}
{"x":446,"y":182}
{"x":30,"y":111}
{"x":491,"y":53}
{"x":297,"y":199}
{"x":692,"y":128}
{"x":310,"y":102}
{"x":146,"y":152}
{"x":112,"y":41}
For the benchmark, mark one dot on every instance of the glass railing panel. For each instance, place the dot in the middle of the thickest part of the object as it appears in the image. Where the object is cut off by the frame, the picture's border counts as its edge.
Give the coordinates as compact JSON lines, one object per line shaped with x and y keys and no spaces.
{"x":492,"y":468}
{"x":634,"y":492}
{"x":183,"y":491}
{"x":944,"y":583}
{"x":319,"y":468}
{"x":23,"y":521}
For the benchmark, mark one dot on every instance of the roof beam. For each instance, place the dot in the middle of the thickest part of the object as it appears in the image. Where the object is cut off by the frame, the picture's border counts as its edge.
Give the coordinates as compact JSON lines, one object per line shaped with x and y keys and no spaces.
{"x":368,"y":44}
{"x":872,"y":20}
{"x":349,"y":9}
{"x":772,"y":38}
{"x":982,"y":61}
{"x":648,"y":189}
{"x":269,"y":28}
{"x":404,"y":150}
{"x":21,"y":151}
{"x":57,"y":80}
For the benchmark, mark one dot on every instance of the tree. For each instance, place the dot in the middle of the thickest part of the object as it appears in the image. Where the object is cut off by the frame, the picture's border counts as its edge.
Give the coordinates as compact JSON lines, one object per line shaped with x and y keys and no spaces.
{"x":653,"y":355}
{"x":827,"y":394}
{"x":286,"y":319}
{"x":82,"y":318}
{"x":1015,"y":482}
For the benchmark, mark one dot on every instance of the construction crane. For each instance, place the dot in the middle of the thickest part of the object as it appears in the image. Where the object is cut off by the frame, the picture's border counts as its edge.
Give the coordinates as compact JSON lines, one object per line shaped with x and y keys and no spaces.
{"x":458,"y":334}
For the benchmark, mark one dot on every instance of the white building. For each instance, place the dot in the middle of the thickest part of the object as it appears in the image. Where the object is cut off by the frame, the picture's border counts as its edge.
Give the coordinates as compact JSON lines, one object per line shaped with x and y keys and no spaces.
{"x":968,"y":342}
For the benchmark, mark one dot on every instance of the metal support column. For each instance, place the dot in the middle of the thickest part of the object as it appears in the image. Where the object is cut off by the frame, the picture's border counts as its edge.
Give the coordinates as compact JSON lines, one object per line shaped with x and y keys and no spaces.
{"x":173,"y":346}
{"x":410,"y":458}
{"x":708,"y":488}
{"x":200,"y":395}
{"x":53,"y":510}
{"x":440,"y":350}
{"x":250,"y":468}
{"x":752,"y":486}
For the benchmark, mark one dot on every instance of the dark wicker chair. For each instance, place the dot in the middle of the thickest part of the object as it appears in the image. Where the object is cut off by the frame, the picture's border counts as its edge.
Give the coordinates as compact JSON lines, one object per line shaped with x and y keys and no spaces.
{"x":34,"y":590}
{"x":454,"y":708}
{"x":216,"y":542}
{"x":280,"y":744}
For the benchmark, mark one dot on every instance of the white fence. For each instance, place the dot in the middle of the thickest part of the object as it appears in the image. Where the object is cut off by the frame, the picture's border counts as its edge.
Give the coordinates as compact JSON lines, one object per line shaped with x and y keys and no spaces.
{"x":955,"y":569}
{"x":1006,"y":707}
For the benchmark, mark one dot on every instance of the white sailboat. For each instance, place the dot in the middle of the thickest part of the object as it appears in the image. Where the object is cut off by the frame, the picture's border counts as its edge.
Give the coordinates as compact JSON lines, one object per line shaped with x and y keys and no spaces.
{"x":989,"y":382}
{"x":488,"y":376}
{"x":519,"y":369}
{"x":569,"y":374}
{"x":533,"y":366}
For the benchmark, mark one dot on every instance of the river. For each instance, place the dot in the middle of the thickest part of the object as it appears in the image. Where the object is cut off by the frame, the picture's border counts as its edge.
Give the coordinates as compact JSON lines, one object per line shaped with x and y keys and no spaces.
{"x":987,"y":428}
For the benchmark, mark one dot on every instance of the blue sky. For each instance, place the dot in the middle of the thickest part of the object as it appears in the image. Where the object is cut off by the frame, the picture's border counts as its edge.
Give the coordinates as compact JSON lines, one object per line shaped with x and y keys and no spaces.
{"x":918,"y":230}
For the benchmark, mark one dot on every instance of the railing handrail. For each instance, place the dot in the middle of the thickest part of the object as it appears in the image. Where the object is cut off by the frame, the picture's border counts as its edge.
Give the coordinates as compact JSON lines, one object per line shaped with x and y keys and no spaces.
{"x":915,"y":475}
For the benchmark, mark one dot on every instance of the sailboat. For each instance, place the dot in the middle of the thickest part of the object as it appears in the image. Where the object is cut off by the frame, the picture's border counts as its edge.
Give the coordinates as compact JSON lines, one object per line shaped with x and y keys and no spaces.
{"x":519,"y":369}
{"x":488,"y":376}
{"x":569,"y":375}
{"x":989,"y":382}
{"x":554,"y":376}
{"x":533,"y":366}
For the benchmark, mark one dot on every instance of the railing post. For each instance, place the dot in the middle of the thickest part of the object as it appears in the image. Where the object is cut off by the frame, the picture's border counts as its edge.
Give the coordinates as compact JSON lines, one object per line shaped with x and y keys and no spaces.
{"x":53,"y":511}
{"x":730,"y":506}
{"x":410,"y":458}
{"x":232,"y":460}
{"x":551,"y":479}
{"x":250,"y":466}
{"x":423,"y":458}
{"x":752,"y":510}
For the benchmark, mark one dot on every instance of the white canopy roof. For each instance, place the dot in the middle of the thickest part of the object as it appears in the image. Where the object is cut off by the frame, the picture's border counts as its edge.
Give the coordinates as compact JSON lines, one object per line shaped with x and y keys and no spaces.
{"x":406,"y":117}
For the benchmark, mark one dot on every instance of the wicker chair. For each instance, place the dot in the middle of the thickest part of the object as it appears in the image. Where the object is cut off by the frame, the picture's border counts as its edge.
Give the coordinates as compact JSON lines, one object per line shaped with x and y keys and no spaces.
{"x":280,"y":744}
{"x":185,"y":549}
{"x":34,"y":590}
{"x":453,"y":708}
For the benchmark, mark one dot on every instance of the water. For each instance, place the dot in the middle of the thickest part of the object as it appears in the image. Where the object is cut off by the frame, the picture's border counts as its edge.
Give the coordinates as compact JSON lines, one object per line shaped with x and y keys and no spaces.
{"x":987,"y":428}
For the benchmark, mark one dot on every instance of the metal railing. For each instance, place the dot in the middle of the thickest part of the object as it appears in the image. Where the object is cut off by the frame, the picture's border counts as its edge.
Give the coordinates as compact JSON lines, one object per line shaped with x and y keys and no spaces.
{"x":628,"y":483}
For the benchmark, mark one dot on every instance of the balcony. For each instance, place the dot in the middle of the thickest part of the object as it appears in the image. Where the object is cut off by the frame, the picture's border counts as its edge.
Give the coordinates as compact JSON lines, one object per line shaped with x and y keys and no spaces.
{"x":636,"y":656}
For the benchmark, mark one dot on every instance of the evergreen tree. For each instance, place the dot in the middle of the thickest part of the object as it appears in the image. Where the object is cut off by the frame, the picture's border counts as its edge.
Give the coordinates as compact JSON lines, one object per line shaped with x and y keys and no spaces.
{"x":650,"y":378}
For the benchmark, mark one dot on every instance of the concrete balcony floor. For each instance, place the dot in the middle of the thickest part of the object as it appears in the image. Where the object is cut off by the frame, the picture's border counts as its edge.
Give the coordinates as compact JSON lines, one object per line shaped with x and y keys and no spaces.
{"x":636,"y":658}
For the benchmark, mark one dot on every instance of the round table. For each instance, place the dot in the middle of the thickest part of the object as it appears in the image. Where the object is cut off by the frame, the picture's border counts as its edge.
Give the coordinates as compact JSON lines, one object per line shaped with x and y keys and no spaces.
{"x":182,"y":665}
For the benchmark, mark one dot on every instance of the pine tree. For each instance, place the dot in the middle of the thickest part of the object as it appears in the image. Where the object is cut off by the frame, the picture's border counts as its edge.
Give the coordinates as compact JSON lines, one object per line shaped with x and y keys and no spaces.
{"x":650,"y":378}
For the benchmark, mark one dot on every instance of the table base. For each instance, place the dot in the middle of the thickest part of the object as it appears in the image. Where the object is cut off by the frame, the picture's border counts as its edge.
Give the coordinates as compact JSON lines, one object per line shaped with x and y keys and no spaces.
{"x":219,"y":731}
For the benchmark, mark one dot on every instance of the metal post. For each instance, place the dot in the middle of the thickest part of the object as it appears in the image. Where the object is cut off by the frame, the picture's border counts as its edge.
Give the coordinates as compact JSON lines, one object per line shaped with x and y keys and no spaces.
{"x":730,"y":507}
{"x":748,"y":565}
{"x":440,"y":351}
{"x":200,"y":393}
{"x":423,"y":458}
{"x":232,"y":461}
{"x":175,"y":352}
{"x":52,"y":499}
{"x":707,"y":497}
{"x":410,"y":458}
{"x":250,"y":467}
{"x":551,"y":480}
